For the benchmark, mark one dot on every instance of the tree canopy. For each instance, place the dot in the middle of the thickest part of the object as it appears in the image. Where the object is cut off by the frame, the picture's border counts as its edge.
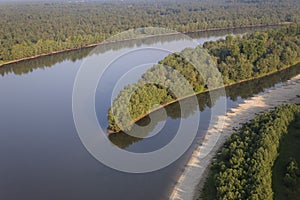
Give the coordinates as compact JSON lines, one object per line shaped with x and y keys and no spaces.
{"x":243,"y":168}
{"x":31,"y":29}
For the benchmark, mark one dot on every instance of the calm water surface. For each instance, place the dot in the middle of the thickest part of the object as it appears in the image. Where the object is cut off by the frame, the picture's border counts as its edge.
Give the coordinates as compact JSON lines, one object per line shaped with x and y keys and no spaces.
{"x":41,"y":154}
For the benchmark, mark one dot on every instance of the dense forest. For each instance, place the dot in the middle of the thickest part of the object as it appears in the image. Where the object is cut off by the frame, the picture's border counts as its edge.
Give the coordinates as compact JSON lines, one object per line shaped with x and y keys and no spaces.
{"x":238,"y":58}
{"x":30,"y":29}
{"x":255,"y":54}
{"x":243,"y":168}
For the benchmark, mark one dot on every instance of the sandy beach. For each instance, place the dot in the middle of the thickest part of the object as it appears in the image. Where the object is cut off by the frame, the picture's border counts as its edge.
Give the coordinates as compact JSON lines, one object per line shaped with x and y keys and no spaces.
{"x":194,"y":175}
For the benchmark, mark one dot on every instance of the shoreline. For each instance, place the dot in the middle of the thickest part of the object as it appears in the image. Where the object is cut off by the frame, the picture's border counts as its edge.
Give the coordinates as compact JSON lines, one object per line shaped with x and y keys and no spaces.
{"x":150,"y":36}
{"x":202,"y":92}
{"x":191,"y":181}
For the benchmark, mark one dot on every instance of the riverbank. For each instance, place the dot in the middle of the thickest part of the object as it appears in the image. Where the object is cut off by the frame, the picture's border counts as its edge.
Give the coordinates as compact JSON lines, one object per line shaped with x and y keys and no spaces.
{"x":202,"y":92}
{"x":191,"y":181}
{"x":150,"y":36}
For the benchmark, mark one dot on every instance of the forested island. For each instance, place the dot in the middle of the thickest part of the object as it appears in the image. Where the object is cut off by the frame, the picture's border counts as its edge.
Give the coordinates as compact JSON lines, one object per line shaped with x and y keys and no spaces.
{"x":238,"y":59}
{"x":31,"y":29}
{"x":244,"y":90}
{"x":259,"y":161}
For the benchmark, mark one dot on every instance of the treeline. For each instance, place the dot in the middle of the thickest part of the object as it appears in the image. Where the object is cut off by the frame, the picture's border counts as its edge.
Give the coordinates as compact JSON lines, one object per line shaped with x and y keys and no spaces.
{"x":256,"y":54}
{"x":176,"y":76}
{"x":243,"y":168}
{"x":47,"y":61}
{"x":238,"y":59}
{"x":245,"y":90}
{"x":38,"y":28}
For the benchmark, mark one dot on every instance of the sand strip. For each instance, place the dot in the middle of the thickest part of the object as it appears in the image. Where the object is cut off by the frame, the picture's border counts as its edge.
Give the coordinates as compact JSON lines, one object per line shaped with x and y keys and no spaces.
{"x":194,"y":175}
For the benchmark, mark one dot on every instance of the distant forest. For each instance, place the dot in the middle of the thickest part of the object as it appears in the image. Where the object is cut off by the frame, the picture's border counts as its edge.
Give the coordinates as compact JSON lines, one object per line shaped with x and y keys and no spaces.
{"x":30,"y":29}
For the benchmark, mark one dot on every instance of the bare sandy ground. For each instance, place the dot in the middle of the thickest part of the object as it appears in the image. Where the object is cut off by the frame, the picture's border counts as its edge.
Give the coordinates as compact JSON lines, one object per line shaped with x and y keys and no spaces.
{"x":193,"y":177}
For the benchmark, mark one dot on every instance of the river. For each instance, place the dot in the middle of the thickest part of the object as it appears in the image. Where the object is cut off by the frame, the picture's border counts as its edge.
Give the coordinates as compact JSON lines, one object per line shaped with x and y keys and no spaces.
{"x":41,"y":154}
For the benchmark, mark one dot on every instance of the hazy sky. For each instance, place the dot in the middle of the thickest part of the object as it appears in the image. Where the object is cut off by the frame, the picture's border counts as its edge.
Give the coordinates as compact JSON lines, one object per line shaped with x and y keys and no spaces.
{"x":41,"y":0}
{"x":32,"y":0}
{"x":37,"y":0}
{"x":56,"y":0}
{"x":5,"y":1}
{"x":21,"y":0}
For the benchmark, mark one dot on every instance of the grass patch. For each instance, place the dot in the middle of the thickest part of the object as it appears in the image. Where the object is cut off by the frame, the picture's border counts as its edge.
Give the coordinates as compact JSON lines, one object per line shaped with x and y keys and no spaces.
{"x":289,"y":148}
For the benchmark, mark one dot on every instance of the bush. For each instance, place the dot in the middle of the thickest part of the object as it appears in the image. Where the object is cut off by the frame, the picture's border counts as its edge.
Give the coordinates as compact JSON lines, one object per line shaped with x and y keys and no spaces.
{"x":292,"y":172}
